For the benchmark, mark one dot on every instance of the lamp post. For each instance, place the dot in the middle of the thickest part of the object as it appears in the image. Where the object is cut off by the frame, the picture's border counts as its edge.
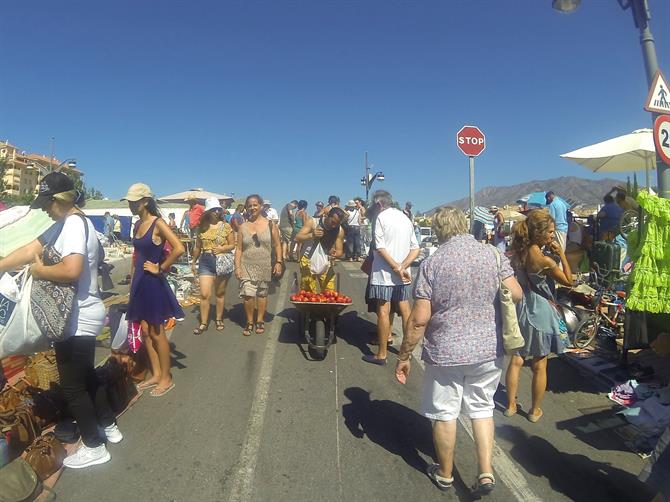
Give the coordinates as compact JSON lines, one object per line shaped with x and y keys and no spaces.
{"x":641,"y":17}
{"x":370,"y":178}
{"x":71,"y":163}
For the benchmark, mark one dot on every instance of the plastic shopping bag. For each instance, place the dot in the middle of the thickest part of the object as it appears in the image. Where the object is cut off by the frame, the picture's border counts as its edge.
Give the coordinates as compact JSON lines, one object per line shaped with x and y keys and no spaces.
{"x":19,"y":333}
{"x":319,"y":262}
{"x":134,"y":336}
{"x":121,"y":335}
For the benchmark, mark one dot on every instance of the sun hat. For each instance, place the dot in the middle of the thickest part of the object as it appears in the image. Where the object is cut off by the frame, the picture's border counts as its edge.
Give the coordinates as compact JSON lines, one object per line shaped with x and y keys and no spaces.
{"x":351,"y":203}
{"x":212,"y":203}
{"x":138,"y":191}
{"x":51,"y":184}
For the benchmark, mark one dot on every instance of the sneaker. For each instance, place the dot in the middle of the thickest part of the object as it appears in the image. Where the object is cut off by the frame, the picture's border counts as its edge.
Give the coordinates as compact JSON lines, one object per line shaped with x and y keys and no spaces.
{"x":113,"y":434}
{"x":86,"y":457}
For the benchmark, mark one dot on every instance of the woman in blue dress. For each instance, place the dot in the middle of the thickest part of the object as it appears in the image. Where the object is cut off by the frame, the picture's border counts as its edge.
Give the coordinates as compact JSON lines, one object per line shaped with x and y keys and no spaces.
{"x":539,"y":321}
{"x":152,"y":302}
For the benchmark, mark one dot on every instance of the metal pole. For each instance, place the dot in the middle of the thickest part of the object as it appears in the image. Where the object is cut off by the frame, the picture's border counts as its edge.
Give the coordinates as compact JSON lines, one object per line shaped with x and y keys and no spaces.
{"x":367,"y":179}
{"x":472,"y":194}
{"x":641,"y":17}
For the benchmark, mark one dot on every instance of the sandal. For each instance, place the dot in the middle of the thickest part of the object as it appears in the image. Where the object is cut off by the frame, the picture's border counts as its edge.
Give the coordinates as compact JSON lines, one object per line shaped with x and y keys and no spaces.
{"x":247,"y":331}
{"x":260,"y":328}
{"x":200,"y":329}
{"x":480,"y":489}
{"x":219,"y":325}
{"x":440,"y":481}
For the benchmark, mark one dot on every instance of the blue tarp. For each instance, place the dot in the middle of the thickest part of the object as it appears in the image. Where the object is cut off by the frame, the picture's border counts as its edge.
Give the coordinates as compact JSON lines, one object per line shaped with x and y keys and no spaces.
{"x":99,"y":224}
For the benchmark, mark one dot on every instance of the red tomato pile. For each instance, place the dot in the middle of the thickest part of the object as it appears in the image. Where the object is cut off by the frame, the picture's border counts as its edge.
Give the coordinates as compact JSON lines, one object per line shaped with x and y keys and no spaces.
{"x":325,"y":297}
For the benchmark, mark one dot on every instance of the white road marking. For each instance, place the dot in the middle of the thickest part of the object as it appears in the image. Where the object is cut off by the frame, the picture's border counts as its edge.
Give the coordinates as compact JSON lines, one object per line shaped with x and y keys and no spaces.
{"x":242,"y":489}
{"x":337,"y":425}
{"x":507,"y":471}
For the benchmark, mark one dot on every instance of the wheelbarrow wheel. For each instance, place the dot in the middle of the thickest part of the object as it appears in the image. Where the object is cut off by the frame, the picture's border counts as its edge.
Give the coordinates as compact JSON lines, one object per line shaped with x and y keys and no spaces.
{"x":318,"y":330}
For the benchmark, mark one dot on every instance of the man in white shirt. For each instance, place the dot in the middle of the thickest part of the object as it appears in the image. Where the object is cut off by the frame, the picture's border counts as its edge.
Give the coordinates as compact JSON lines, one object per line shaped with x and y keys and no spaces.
{"x":355,"y":213}
{"x":396,"y":248}
{"x":270,"y":213}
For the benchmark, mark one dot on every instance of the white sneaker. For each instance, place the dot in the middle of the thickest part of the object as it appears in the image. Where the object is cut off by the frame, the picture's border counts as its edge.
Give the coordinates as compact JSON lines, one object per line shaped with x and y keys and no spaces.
{"x":113,"y":434}
{"x":86,"y":457}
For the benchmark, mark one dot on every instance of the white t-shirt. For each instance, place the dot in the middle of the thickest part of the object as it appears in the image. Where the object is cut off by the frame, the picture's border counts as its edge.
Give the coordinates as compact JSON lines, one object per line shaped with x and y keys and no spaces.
{"x":354,"y":214}
{"x":272,"y":214}
{"x":394,"y":232}
{"x":89,"y":311}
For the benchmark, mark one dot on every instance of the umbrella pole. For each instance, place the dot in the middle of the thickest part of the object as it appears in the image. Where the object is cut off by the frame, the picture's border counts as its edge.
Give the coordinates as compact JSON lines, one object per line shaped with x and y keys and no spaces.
{"x":647,"y":173}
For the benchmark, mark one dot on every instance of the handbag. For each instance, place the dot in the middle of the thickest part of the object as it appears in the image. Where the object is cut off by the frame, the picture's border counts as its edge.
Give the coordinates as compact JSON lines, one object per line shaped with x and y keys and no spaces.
{"x":45,"y":455}
{"x":225,"y":264}
{"x":319,"y":261}
{"x":512,"y":338}
{"x":366,"y":266}
{"x":19,"y":482}
{"x":42,"y":371}
{"x":20,"y":428}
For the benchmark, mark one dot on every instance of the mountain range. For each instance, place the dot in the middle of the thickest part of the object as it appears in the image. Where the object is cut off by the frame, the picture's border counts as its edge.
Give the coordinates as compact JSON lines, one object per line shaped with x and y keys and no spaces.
{"x":578,"y":191}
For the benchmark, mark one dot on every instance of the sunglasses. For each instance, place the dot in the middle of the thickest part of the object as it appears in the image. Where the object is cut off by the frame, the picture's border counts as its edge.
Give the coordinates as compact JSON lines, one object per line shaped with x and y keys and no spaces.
{"x":257,"y":242}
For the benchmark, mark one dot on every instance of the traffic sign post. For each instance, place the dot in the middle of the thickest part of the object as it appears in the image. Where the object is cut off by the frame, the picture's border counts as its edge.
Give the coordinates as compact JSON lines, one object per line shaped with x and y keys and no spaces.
{"x":472,"y":142}
{"x":662,"y":137}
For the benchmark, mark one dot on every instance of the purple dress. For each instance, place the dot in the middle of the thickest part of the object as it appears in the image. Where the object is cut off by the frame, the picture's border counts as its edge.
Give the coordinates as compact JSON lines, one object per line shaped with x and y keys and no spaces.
{"x":151,"y":298}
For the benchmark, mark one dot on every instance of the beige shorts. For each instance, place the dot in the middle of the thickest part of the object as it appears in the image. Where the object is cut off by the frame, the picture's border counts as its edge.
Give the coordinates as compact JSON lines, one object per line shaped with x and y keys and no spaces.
{"x":250,"y":289}
{"x":448,"y":389}
{"x":286,"y":234}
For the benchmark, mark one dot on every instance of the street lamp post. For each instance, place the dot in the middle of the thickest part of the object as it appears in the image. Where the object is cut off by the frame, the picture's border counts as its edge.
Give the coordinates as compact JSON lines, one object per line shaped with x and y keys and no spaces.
{"x":370,"y":178}
{"x":71,"y":163}
{"x":641,"y":17}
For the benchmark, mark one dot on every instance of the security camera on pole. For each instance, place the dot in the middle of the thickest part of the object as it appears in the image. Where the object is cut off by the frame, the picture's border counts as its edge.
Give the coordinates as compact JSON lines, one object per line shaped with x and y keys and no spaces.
{"x":472,"y":142}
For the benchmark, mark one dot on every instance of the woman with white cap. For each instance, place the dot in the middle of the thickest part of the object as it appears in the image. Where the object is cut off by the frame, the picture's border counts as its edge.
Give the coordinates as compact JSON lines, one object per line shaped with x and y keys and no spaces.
{"x":215,"y":239}
{"x":152,"y":302}
{"x":73,"y":241}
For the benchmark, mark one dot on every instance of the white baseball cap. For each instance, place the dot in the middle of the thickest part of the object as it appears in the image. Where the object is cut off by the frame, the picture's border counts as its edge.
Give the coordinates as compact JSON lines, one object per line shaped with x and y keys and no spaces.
{"x":212,"y":203}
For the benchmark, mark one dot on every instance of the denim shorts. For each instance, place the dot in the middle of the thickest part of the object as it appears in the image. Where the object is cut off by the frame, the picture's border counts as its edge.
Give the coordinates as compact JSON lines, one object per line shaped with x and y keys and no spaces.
{"x":207,"y":264}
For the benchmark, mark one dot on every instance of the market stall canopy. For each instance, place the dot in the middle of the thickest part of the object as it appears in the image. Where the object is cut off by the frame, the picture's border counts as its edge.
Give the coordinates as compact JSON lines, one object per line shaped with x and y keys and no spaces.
{"x":20,"y":225}
{"x":534,"y":199}
{"x":512,"y":215}
{"x":630,"y":152}
{"x":194,"y":193}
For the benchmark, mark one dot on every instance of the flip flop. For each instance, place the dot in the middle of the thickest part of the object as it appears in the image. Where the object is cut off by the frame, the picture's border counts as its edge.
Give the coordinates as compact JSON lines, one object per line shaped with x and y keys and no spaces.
{"x":141,"y":387}
{"x":157,"y":393}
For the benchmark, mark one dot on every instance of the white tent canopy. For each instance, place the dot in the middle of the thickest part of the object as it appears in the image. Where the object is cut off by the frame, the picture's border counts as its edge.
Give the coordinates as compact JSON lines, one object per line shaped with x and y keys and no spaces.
{"x":630,"y":152}
{"x":194,"y":193}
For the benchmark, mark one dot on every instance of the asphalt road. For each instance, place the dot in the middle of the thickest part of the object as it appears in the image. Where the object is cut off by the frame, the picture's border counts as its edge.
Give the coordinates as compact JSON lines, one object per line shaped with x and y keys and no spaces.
{"x":253,"y":419}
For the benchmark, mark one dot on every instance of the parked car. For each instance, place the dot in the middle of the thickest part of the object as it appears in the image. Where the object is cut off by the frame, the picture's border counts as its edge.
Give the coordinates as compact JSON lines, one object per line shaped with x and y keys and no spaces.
{"x":428,"y":247}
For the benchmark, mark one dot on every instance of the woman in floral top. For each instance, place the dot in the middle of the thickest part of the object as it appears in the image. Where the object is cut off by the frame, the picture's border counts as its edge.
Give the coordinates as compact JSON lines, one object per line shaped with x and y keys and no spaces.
{"x":456,"y":298}
{"x":215,"y":237}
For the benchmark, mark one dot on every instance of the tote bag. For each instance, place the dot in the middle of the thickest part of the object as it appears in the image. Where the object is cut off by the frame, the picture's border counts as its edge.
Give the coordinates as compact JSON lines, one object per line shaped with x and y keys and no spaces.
{"x":319,"y":262}
{"x":512,"y":338}
{"x":19,"y":333}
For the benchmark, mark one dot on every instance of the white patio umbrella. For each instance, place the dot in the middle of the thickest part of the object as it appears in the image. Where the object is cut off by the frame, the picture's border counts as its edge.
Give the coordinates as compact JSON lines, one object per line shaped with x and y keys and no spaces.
{"x":199,"y":194}
{"x":630,"y":152}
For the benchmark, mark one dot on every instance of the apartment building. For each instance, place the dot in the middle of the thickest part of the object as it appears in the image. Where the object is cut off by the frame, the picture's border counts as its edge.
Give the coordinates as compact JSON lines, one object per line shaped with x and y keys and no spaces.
{"x":23,"y":170}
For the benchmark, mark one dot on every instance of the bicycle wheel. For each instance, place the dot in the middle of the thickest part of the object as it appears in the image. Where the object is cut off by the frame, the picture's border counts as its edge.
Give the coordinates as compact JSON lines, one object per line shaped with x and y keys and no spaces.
{"x":586,"y":332}
{"x":628,"y":223}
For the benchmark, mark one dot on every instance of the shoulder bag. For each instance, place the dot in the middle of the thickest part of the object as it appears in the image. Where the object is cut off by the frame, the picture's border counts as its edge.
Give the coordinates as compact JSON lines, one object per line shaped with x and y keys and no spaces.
{"x":225,"y":262}
{"x":45,"y":455}
{"x":512,"y":338}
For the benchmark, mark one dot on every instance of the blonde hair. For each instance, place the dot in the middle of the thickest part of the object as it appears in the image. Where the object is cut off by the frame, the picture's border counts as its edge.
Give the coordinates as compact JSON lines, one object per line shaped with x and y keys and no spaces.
{"x":448,"y":222}
{"x":530,"y":231}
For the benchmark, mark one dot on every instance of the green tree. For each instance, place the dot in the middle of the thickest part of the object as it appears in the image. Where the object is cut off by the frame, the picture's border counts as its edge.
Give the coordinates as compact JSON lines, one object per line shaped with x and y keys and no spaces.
{"x":636,"y":188}
{"x":628,"y":186}
{"x":93,"y":194}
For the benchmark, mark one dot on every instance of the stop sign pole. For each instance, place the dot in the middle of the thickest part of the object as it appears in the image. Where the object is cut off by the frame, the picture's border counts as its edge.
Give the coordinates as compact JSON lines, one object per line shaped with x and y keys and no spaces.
{"x":472,"y":142}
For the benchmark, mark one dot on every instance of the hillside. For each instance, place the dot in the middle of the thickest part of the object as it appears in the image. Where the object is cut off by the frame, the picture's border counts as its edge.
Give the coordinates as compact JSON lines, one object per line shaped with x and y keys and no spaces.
{"x":577,"y":190}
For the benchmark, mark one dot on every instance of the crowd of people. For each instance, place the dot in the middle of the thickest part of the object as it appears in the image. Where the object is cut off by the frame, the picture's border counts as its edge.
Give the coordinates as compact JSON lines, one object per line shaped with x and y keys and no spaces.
{"x":455,"y":296}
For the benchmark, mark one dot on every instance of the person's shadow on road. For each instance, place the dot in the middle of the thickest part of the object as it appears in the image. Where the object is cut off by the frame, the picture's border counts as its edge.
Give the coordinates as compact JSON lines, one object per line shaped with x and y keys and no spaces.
{"x":575,"y":476}
{"x":396,"y":428}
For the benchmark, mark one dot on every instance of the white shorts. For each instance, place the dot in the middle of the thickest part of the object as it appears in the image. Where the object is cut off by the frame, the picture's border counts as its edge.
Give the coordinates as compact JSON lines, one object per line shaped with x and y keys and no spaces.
{"x":473,"y":385}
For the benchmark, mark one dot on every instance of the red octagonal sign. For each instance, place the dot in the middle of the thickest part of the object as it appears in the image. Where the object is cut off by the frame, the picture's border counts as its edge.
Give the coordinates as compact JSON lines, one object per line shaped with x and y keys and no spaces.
{"x":471,"y":140}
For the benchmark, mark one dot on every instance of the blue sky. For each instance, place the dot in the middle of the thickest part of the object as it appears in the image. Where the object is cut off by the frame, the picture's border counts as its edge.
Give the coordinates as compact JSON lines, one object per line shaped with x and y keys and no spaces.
{"x":284,"y":97}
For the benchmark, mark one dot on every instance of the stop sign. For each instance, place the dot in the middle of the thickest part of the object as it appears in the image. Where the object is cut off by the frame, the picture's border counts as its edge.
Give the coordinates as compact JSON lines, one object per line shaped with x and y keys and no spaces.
{"x":471,"y":140}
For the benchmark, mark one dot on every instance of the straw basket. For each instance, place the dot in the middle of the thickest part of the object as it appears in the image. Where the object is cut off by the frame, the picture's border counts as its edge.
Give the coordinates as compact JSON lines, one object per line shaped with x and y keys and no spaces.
{"x":41,"y":370}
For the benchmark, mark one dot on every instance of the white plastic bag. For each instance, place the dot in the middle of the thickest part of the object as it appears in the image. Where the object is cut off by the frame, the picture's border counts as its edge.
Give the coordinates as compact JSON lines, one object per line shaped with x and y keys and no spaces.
{"x":319,"y":262}
{"x":121,"y":335}
{"x":19,"y":333}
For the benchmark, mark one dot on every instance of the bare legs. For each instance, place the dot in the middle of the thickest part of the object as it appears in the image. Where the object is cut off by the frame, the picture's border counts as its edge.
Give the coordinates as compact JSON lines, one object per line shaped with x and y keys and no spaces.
{"x":512,"y":382}
{"x":221,"y":283}
{"x":538,"y":386}
{"x":383,"y":327}
{"x":206,"y":283}
{"x":158,"y":350}
{"x":444,"y":439}
{"x":250,"y":304}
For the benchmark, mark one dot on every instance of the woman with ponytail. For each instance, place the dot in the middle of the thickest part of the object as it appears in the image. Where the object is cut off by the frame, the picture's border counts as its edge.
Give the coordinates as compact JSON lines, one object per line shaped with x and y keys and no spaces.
{"x":74,"y":239}
{"x":539,"y":320}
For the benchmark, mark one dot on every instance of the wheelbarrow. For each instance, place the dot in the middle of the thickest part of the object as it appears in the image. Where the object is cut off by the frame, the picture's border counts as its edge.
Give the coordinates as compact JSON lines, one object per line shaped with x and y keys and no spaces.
{"x":317,"y":322}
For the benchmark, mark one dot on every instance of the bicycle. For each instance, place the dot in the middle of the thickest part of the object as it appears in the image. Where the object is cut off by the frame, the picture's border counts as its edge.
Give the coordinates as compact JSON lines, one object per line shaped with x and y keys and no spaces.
{"x":600,"y":321}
